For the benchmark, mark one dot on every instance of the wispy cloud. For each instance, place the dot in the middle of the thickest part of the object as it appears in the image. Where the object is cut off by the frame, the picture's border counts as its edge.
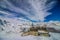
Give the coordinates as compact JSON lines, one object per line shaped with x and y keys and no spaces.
{"x":36,"y":10}
{"x":6,"y":13}
{"x":15,"y":9}
{"x":41,"y":8}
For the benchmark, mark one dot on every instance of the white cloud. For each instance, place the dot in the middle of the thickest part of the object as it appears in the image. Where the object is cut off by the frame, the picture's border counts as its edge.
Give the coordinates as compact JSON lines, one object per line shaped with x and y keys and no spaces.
{"x":52,"y":21}
{"x":3,"y":12}
{"x":38,"y":8}
{"x":15,"y":9}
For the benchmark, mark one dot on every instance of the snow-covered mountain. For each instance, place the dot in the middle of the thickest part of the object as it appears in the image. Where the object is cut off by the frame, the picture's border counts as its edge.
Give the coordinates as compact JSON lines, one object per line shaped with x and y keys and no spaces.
{"x":11,"y":28}
{"x":14,"y":25}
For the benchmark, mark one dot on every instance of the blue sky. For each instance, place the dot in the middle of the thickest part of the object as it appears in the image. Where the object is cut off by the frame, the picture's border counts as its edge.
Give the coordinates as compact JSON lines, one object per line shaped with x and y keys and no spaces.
{"x":13,"y":12}
{"x":55,"y":16}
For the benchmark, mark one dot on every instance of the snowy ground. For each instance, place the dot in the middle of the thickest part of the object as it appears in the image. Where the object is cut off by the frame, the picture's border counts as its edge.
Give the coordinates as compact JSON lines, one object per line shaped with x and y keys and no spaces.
{"x":15,"y":36}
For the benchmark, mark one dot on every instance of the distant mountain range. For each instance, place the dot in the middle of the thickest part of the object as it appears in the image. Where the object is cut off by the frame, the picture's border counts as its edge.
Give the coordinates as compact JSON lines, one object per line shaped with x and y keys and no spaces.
{"x":17,"y":26}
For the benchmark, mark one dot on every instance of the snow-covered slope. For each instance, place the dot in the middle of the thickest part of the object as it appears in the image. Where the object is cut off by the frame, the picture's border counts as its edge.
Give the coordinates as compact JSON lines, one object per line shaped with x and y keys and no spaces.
{"x":10,"y":29}
{"x":13,"y":25}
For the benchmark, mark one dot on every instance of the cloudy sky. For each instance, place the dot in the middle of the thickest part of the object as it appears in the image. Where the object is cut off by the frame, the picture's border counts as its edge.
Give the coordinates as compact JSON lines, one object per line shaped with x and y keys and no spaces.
{"x":32,"y":10}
